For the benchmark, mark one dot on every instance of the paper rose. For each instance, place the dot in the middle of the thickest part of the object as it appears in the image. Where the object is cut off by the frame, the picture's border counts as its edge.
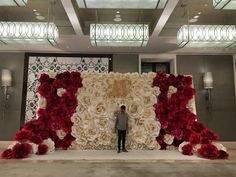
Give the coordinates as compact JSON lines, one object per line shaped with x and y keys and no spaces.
{"x":50,"y":144}
{"x":139,"y":134}
{"x":61,"y":91}
{"x":168,"y":139}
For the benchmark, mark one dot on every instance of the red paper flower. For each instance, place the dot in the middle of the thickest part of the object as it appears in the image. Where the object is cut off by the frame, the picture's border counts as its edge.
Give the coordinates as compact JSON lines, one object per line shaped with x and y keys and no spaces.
{"x":212,"y":136}
{"x":7,"y":154}
{"x":223,"y":155}
{"x":46,"y":90}
{"x":42,"y":149}
{"x":21,"y":150}
{"x":187,"y":149}
{"x":22,"y":135}
{"x":195,"y":138}
{"x":197,"y":127}
{"x":209,"y":151}
{"x":36,"y":139}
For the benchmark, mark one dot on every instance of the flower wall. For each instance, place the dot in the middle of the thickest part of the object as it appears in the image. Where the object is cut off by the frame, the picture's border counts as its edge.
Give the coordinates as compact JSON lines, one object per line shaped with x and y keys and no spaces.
{"x":78,"y":111}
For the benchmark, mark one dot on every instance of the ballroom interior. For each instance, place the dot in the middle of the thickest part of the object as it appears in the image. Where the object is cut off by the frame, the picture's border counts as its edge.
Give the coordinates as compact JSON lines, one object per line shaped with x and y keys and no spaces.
{"x":194,"y":38}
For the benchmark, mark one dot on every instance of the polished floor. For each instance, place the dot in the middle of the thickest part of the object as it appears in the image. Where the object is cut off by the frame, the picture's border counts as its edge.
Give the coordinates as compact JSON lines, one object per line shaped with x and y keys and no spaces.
{"x":83,"y":168}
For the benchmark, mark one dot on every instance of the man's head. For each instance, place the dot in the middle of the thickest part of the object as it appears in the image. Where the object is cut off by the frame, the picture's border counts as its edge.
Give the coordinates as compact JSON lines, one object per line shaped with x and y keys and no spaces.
{"x":123,"y":108}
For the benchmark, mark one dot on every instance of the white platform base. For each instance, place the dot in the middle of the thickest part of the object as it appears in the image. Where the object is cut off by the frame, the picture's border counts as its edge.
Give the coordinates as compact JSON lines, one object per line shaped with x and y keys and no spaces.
{"x":110,"y":155}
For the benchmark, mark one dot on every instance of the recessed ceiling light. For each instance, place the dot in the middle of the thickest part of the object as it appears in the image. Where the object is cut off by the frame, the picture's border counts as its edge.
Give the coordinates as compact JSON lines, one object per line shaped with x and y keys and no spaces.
{"x":37,"y":13}
{"x":40,"y":17}
{"x":117,"y":19}
{"x":193,"y":20}
{"x":196,"y":16}
{"x":34,"y":10}
{"x":199,"y":13}
{"x":117,"y":12}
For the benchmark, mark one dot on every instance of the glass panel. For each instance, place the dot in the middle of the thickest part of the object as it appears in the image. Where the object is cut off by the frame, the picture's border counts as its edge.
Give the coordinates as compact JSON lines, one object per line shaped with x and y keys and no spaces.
{"x":122,"y":4}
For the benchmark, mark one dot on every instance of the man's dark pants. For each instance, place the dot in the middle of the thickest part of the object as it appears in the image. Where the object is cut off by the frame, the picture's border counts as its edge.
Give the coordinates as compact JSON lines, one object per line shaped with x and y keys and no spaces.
{"x":121,"y":137}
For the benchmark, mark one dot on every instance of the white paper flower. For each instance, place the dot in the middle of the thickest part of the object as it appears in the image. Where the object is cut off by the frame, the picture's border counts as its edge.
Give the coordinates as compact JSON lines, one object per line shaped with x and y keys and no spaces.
{"x":220,"y":146}
{"x":50,"y":144}
{"x":34,"y":148}
{"x":182,"y":145}
{"x":61,"y":91}
{"x":42,"y":102}
{"x":12,"y":145}
{"x":61,"y":134}
{"x":52,"y":75}
{"x":171,"y":91}
{"x":196,"y":148}
{"x":168,"y":139}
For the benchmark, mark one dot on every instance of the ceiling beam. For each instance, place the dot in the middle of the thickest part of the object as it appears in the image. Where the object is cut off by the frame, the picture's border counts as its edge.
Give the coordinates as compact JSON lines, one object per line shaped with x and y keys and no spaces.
{"x":170,"y":6}
{"x":70,"y":11}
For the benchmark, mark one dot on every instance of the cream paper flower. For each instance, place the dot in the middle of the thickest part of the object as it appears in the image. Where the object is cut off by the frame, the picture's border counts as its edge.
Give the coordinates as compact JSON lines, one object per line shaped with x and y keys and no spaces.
{"x":90,"y":131}
{"x":104,"y":138}
{"x":84,"y":99}
{"x":42,"y":102}
{"x":98,"y":108}
{"x":171,"y":91}
{"x":50,"y":144}
{"x":156,"y":91}
{"x":61,"y":91}
{"x":139,"y":134}
{"x":82,"y":140}
{"x":168,"y":139}
{"x":153,"y":128}
{"x":152,"y":144}
{"x":149,"y":100}
{"x":135,"y":108}
{"x":61,"y":134}
{"x":102,"y":123}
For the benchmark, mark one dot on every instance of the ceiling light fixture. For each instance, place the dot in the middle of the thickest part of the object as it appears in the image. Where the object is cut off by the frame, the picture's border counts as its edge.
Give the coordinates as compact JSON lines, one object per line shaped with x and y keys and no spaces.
{"x":119,"y":35}
{"x":206,"y":36}
{"x":196,"y":16}
{"x":121,"y":4}
{"x":224,"y":4}
{"x":193,"y":20}
{"x":28,"y":33}
{"x":13,"y":2}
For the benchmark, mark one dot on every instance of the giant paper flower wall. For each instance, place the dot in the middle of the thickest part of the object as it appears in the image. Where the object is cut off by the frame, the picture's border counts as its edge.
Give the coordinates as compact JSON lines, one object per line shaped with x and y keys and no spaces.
{"x":78,"y":111}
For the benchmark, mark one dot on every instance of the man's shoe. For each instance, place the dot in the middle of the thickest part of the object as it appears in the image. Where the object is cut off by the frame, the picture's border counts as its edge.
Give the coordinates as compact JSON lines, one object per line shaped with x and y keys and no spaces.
{"x":118,"y":151}
{"x":124,"y":150}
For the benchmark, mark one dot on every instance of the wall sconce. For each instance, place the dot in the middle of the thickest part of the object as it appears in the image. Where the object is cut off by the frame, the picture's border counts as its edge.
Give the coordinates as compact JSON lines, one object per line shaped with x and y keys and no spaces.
{"x":6,"y":82}
{"x":208,"y":86}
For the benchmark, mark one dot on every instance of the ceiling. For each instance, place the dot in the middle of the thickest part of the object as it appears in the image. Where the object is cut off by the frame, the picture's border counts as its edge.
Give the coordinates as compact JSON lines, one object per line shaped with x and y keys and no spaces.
{"x":74,"y":34}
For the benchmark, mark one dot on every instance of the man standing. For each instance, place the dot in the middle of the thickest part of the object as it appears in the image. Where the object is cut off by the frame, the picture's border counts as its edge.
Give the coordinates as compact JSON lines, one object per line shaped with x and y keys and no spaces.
{"x":122,"y":126}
